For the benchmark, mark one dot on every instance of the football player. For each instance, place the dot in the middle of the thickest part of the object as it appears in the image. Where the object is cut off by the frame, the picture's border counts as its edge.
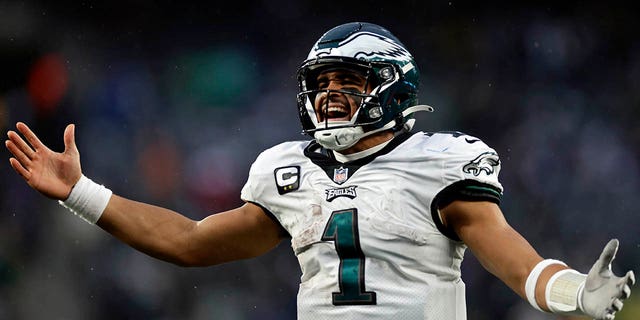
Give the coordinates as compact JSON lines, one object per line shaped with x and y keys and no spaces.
{"x":378,"y":216}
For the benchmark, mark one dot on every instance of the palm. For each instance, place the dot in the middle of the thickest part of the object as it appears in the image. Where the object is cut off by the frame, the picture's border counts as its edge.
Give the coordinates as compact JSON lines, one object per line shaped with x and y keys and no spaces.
{"x":51,"y":173}
{"x":603,"y":290}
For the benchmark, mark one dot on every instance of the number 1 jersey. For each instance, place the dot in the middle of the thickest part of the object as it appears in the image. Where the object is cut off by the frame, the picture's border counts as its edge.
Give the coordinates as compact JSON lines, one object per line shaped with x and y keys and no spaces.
{"x":367,"y":233}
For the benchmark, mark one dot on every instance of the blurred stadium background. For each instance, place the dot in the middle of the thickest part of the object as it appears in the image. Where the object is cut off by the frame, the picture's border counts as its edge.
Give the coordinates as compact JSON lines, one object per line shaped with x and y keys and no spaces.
{"x":173,"y":101}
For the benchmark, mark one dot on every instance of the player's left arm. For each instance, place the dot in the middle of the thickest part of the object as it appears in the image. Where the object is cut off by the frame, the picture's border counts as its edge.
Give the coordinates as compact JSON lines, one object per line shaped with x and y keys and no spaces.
{"x":552,"y":286}
{"x":499,"y":248}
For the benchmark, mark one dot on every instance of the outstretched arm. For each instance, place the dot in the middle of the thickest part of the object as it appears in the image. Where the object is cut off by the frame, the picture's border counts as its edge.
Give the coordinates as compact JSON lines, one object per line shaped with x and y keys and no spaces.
{"x":499,"y":248}
{"x":555,"y":287}
{"x":240,"y":233}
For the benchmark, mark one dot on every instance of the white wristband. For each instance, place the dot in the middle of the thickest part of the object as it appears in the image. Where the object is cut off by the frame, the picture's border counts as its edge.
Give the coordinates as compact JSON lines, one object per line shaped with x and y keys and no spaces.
{"x":532,"y":280}
{"x":563,"y":292}
{"x":87,"y":199}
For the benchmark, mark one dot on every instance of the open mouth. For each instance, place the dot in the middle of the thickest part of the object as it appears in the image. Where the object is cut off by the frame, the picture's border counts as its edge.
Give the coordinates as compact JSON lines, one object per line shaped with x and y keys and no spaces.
{"x":337,"y":112}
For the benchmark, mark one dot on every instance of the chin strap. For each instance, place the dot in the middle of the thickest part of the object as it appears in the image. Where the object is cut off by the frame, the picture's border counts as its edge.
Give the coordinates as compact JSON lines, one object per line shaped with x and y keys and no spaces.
{"x":343,"y":138}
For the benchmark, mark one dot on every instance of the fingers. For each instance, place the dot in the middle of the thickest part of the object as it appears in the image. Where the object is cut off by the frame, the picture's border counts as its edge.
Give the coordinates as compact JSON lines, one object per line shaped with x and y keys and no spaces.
{"x":69,"y":139}
{"x":625,"y":283}
{"x":607,"y":255}
{"x":626,"y":292}
{"x":19,"y":145}
{"x":631,"y":278}
{"x":617,"y":305}
{"x":18,"y":152}
{"x":29,"y":135}
{"x":17,"y":166}
{"x":22,"y":152}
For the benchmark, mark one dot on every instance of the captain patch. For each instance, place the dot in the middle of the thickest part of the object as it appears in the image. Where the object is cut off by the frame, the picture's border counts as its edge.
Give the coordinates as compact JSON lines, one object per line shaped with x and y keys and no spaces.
{"x":287,"y":179}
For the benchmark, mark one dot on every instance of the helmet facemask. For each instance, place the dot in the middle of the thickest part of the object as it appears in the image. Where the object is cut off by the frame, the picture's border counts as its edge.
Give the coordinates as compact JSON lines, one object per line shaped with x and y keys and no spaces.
{"x":391,"y":75}
{"x":371,"y":108}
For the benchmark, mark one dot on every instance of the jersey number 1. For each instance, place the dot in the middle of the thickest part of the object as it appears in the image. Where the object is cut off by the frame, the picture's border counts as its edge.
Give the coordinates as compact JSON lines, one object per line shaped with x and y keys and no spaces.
{"x":342,"y":228}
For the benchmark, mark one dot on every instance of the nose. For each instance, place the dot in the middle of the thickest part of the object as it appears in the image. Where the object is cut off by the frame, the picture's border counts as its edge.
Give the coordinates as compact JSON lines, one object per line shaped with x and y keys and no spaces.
{"x":334,"y":91}
{"x":331,"y":86}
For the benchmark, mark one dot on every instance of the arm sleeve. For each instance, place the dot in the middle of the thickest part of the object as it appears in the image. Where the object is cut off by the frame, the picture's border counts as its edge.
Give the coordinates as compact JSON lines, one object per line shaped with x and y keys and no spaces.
{"x":469,"y":173}
{"x":249,"y":194}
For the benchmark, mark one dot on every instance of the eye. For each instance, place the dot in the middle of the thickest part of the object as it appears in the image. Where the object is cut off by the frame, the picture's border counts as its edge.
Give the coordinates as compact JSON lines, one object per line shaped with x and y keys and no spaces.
{"x":354,"y":81}
{"x":351,"y":89}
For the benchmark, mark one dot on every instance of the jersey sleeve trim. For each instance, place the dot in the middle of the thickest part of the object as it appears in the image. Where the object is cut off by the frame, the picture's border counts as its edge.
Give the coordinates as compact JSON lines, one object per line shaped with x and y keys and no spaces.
{"x":269,"y":214}
{"x":465,"y":190}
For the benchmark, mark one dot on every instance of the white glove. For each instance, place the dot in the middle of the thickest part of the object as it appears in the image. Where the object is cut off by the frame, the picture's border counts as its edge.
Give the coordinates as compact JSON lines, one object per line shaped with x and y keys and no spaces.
{"x":603,"y":292}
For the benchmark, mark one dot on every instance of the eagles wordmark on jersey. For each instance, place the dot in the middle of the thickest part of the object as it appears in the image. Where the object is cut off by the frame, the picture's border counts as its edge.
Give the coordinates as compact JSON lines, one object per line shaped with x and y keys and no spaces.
{"x":367,"y":233}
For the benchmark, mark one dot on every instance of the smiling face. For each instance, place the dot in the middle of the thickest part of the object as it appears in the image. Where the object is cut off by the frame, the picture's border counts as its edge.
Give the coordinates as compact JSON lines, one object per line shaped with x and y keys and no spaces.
{"x":339,"y":106}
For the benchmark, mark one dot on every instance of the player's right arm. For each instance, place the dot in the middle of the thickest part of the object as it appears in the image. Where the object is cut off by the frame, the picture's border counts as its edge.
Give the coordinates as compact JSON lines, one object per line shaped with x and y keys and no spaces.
{"x":239,"y":233}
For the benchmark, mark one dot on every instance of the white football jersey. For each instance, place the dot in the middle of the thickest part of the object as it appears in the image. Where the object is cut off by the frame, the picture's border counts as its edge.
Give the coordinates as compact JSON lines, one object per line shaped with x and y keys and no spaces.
{"x":367,"y":233}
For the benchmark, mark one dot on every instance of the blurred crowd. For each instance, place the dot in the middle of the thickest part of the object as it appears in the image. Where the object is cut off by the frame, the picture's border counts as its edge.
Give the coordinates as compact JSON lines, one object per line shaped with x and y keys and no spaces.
{"x":173,"y":102}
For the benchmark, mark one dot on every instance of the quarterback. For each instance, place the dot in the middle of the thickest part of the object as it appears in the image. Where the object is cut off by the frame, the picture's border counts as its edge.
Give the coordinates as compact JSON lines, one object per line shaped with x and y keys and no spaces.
{"x":378,"y":216}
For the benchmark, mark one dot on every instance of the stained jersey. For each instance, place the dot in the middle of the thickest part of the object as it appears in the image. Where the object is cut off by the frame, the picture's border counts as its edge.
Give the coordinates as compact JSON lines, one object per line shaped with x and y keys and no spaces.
{"x":367,"y":234}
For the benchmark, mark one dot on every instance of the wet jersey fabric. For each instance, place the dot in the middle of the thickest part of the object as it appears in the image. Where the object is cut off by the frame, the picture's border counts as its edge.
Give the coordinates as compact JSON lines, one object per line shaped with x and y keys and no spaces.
{"x":367,"y":234}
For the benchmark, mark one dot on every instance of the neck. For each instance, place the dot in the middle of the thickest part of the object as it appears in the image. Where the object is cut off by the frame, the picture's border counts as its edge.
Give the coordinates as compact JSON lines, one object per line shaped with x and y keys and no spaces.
{"x":369,"y":142}
{"x":366,"y":146}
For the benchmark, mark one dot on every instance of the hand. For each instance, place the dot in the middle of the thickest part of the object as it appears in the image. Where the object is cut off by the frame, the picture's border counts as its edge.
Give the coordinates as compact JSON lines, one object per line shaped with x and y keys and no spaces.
{"x":603,"y":291}
{"x":52,"y":174}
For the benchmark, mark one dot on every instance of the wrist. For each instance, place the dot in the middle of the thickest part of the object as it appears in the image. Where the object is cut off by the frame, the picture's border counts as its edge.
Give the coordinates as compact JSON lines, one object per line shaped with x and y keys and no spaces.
{"x":532,"y":280}
{"x":87,"y":199}
{"x":563,"y":293}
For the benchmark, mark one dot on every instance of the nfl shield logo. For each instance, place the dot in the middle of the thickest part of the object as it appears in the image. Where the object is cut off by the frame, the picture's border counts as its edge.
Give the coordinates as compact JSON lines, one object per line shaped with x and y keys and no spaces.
{"x":340,"y":175}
